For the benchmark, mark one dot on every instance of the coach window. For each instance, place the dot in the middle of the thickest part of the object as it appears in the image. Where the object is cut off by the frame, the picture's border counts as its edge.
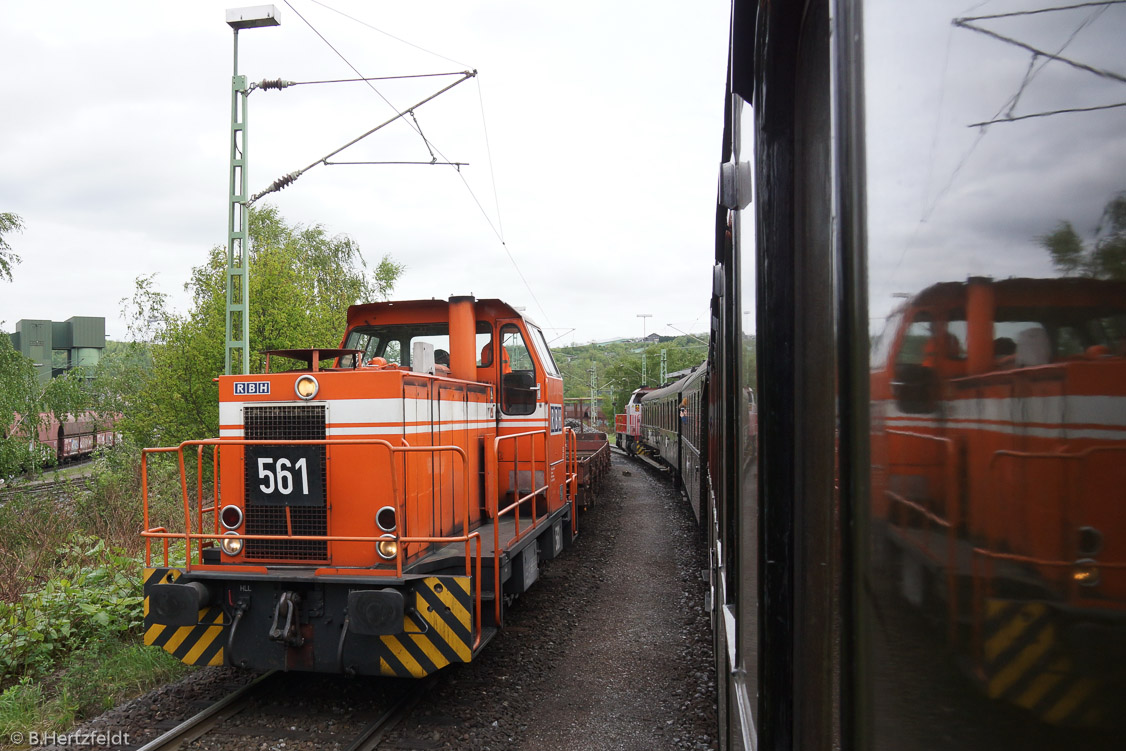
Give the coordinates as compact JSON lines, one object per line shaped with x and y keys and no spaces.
{"x":519,"y":390}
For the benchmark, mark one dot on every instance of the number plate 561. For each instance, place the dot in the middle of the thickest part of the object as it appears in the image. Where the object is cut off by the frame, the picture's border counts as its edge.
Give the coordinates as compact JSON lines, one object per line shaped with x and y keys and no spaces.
{"x":285,"y":475}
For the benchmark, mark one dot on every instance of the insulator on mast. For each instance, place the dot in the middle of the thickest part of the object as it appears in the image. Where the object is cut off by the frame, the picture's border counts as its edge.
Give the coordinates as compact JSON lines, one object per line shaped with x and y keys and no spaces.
{"x":282,"y":182}
{"x":275,"y":83}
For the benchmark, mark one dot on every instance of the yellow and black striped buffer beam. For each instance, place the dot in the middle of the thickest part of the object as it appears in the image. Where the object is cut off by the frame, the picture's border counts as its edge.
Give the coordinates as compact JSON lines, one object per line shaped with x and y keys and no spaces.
{"x":1025,"y":663}
{"x":201,"y":644}
{"x":437,"y":633}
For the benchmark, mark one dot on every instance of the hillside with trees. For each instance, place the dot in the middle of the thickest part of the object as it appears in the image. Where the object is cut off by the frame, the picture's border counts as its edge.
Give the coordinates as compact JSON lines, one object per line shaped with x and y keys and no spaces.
{"x":618,"y":366}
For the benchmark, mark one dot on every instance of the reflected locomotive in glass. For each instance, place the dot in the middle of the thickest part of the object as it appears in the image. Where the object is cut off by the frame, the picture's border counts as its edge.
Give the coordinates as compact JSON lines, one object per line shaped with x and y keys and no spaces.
{"x":1000,"y":449}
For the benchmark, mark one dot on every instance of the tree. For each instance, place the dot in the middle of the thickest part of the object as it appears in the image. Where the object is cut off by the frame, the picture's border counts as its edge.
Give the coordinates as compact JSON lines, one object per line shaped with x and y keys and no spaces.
{"x":302,"y":281}
{"x":26,"y":406}
{"x":8,"y":223}
{"x":618,"y":364}
{"x":1104,"y":257}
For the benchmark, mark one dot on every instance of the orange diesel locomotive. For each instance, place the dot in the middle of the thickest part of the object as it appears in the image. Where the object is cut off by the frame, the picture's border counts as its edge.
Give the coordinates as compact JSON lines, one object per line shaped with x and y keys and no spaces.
{"x":1003,"y":463}
{"x":373,"y":516}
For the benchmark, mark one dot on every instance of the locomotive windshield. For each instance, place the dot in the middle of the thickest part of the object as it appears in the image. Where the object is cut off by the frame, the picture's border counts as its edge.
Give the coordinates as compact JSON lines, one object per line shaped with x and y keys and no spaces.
{"x":394,"y":343}
{"x":543,"y":351}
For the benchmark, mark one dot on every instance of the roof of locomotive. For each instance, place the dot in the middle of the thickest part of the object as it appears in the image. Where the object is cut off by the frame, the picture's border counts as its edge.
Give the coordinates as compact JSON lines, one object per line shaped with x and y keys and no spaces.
{"x":1050,"y":292}
{"x":423,"y":311}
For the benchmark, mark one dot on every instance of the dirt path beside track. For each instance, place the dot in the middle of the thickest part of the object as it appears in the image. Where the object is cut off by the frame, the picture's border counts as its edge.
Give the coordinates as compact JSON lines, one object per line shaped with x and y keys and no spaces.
{"x":634,"y":673}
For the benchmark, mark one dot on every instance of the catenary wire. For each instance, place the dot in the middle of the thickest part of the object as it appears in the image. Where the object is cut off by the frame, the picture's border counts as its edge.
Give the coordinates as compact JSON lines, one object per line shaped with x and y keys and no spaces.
{"x":1035,"y":11}
{"x":489,"y":153}
{"x":349,"y":64}
{"x":965,"y":24}
{"x":473,"y":195}
{"x":375,"y":78}
{"x":1008,"y":105}
{"x":1068,"y":111}
{"x":386,"y":34}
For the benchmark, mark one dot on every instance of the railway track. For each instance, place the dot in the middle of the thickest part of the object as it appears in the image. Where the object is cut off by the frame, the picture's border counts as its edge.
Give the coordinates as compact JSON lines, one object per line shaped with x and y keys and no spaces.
{"x":254,"y":698}
{"x":640,"y":458}
{"x":58,"y":489}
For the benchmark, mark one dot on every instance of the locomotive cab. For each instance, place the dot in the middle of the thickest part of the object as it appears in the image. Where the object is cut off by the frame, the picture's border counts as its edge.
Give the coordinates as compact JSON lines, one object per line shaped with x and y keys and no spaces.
{"x":370,"y":511}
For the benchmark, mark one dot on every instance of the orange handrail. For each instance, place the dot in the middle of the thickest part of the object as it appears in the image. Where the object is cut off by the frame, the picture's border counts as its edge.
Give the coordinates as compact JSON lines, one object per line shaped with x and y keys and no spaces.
{"x":950,"y":524}
{"x":492,"y":451}
{"x":982,"y":557}
{"x":188,"y":536}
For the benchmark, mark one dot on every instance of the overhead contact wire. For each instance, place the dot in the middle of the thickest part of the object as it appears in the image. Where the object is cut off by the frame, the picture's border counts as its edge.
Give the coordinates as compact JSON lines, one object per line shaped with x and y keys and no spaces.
{"x":284,"y":181}
{"x":376,"y":78}
{"x":489,"y":152}
{"x":287,"y":180}
{"x":386,"y":34}
{"x":1035,"y":11}
{"x":348,"y":63}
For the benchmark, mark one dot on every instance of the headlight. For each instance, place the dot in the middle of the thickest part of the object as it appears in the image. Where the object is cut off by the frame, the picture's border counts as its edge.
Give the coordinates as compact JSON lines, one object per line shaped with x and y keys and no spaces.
{"x":1085,"y":572}
{"x":231,"y":517}
{"x":385,"y":518}
{"x":306,"y":387}
{"x":231,"y":543}
{"x":387,"y":547}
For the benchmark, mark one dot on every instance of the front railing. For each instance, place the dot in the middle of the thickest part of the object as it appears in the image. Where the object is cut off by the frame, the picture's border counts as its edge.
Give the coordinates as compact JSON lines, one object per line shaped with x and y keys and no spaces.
{"x":936,"y":459}
{"x":528,"y":439}
{"x":201,"y":523}
{"x":1025,"y":489}
{"x":197,"y":540}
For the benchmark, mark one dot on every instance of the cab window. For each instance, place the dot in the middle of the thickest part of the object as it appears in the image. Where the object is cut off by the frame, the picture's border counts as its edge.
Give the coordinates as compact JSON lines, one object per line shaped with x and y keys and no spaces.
{"x":543,"y":351}
{"x":484,"y":344}
{"x":914,"y":341}
{"x":394,"y":343}
{"x":519,"y":390}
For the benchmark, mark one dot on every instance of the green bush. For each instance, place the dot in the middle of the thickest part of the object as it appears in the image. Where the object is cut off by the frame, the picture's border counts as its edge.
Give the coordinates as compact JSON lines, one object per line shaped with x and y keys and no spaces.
{"x":94,"y":595}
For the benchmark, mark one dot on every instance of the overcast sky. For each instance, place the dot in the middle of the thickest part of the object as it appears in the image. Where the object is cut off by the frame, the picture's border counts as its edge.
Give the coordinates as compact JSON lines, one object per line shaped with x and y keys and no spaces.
{"x":947,"y":201}
{"x":604,"y":122}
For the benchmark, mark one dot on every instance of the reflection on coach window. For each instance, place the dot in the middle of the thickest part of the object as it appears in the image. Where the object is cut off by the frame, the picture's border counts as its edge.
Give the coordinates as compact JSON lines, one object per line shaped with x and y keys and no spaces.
{"x":995,"y":570}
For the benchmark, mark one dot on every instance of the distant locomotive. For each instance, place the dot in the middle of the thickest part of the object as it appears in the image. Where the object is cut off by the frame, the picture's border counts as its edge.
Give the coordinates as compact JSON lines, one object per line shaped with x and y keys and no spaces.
{"x":375,"y":510}
{"x":670,"y":427}
{"x":627,"y":426}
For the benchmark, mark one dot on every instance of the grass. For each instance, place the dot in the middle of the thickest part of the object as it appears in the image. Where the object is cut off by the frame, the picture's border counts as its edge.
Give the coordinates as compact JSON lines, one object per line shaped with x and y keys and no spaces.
{"x":68,"y":472}
{"x":84,"y":685}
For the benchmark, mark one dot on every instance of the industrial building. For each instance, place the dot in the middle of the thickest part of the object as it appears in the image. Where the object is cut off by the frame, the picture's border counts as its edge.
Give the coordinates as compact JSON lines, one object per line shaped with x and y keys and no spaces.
{"x":57,"y":347}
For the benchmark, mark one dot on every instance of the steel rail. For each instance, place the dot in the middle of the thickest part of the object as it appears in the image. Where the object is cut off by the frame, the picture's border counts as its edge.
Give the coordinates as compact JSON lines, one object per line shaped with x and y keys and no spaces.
{"x":371,"y":736}
{"x":207,"y":720}
{"x":199,"y":724}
